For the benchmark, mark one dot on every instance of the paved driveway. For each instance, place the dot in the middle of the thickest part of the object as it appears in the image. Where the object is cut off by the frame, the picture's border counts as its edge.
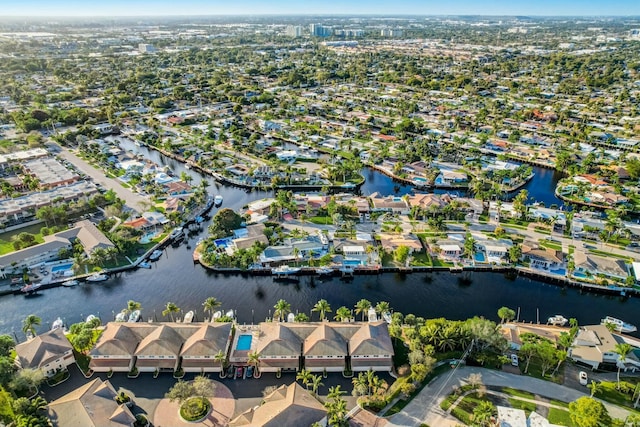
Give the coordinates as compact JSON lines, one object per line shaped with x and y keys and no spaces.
{"x":425,"y":408}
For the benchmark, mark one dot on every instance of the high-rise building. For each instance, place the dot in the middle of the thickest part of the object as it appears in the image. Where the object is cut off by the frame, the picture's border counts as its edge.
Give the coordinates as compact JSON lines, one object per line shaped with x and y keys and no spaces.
{"x":294,"y":31}
{"x":146,"y":48}
{"x":390,"y":32}
{"x":318,"y":30}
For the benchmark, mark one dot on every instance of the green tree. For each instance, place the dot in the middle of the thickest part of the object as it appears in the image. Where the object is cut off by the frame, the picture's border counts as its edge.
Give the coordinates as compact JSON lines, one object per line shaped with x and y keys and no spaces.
{"x":322,"y":307}
{"x":29,"y":324}
{"x":483,"y":413}
{"x":363,"y":307}
{"x":588,"y":412}
{"x":506,"y":314}
{"x":281,"y":309}
{"x":170,"y":309}
{"x":343,"y":314}
{"x":6,"y":345}
{"x":622,"y":350}
{"x":401,"y":254}
{"x":210,"y":304}
{"x":520,"y":203}
{"x":304,"y":376}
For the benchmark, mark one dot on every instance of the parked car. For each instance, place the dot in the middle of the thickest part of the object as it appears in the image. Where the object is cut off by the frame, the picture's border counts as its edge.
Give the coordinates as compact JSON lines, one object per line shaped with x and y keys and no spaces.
{"x":514,"y":360}
{"x":239,"y":372}
{"x":582,"y":376}
{"x":249,"y":371}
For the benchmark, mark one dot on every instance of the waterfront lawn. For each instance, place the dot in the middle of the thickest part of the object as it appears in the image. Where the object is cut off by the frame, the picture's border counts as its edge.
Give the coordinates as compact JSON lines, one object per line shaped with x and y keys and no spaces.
{"x":560,"y":417}
{"x":421,"y":259}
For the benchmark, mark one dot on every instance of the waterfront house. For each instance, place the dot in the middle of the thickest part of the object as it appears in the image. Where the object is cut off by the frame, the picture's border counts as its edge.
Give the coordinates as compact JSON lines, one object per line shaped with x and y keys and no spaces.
{"x":555,"y":216}
{"x":447,"y":249}
{"x":90,"y":405}
{"x":541,"y":258}
{"x":279,"y":347}
{"x":595,"y":265}
{"x":513,"y":330}
{"x":494,"y":251}
{"x":370,"y":348}
{"x":391,"y":242}
{"x":159,"y":350}
{"x":288,"y":405}
{"x":324,"y":350}
{"x":115,"y":349}
{"x":49,"y":352}
{"x":594,"y":345}
{"x":199,"y":350}
{"x":394,"y":204}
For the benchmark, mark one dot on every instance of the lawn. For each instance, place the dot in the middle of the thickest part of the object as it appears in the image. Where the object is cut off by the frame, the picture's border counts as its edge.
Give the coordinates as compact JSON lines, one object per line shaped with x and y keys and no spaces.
{"x":464,"y":410}
{"x":421,"y":259}
{"x":518,"y":393}
{"x":611,"y":395}
{"x":527,"y":407}
{"x":320,"y":220}
{"x":6,"y":246}
{"x":560,"y":417}
{"x":535,"y":370}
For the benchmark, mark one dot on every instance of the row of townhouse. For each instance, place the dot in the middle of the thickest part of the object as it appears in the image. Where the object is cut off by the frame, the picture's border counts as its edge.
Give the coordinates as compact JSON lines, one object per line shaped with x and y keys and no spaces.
{"x":193,"y":347}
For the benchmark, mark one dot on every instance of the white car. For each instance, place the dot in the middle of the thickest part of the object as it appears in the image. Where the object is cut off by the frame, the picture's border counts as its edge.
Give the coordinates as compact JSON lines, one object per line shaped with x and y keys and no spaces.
{"x":514,"y":360}
{"x":582,"y":376}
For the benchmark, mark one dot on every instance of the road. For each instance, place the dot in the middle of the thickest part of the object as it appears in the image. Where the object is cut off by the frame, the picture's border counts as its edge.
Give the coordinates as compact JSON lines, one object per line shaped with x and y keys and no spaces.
{"x":425,"y":407}
{"x":132,"y":200}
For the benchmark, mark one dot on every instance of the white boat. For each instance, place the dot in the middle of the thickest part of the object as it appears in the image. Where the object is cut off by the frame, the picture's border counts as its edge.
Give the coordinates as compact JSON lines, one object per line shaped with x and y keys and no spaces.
{"x":188,"y":317}
{"x":30,"y":288}
{"x":176,"y":233}
{"x":557,"y":320}
{"x":97,"y":277}
{"x":155,"y":255}
{"x":134,"y":316}
{"x":387,"y":317}
{"x":70,"y":283}
{"x":90,"y":318}
{"x":217,"y":200}
{"x":121,"y":317}
{"x":322,"y":271}
{"x":619,"y":324}
{"x":230,"y":314}
{"x":284,"y":269}
{"x":144,"y":264}
{"x":216,"y":316}
{"x":291,"y":318}
{"x":372,"y":315}
{"x":57,"y":324}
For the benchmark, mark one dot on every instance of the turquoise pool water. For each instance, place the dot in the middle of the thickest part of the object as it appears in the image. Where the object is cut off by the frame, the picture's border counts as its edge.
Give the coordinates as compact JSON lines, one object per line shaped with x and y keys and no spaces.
{"x":479,"y":257}
{"x":244,"y":342}
{"x":61,"y":267}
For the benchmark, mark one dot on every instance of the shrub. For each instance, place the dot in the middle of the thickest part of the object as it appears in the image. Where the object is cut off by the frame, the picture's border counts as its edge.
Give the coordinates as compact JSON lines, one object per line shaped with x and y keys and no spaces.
{"x":195,"y":408}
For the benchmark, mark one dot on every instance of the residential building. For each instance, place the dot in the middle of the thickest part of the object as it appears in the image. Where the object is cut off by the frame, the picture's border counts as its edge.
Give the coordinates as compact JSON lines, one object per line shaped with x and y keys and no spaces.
{"x":594,"y":265}
{"x":542,"y":258}
{"x":49,"y":172}
{"x":289,"y":405}
{"x":199,"y":350}
{"x":595,"y":345}
{"x":49,"y":352}
{"x":90,"y":405}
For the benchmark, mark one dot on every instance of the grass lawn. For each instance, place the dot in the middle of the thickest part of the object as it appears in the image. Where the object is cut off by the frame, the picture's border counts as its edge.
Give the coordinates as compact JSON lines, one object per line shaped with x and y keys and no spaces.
{"x":527,"y":407}
{"x":6,"y":246}
{"x":560,"y":417}
{"x":421,"y":259}
{"x":439,"y":263}
{"x":535,"y":370}
{"x":464,"y":410}
{"x":611,"y":395}
{"x":82,"y":360}
{"x":320,"y":220}
{"x":546,"y":244}
{"x":453,"y":396}
{"x":518,"y":393}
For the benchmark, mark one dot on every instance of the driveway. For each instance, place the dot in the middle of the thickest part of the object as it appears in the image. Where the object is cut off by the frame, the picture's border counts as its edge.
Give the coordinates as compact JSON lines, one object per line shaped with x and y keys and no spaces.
{"x":131,"y":199}
{"x":425,"y":408}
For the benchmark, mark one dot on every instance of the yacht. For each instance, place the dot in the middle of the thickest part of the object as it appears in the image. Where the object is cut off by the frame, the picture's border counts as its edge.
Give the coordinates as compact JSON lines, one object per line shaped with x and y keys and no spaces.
{"x":176,"y":233}
{"x":284,"y":270}
{"x":557,"y":320}
{"x":57,"y":324}
{"x":217,"y":200}
{"x":216,"y":316}
{"x":30,"y":288}
{"x":155,"y":255}
{"x":619,"y":324}
{"x":372,"y":315}
{"x":144,"y":264}
{"x":97,"y":277}
{"x":322,"y":271}
{"x":90,"y":318}
{"x":387,"y":317}
{"x":291,"y":318}
{"x":134,"y":316}
{"x":188,"y":317}
{"x":70,"y":283}
{"x":230,"y":314}
{"x":121,"y":317}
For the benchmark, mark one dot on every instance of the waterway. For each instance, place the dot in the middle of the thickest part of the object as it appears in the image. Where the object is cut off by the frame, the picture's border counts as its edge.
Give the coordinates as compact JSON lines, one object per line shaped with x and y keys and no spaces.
{"x":174,"y":278}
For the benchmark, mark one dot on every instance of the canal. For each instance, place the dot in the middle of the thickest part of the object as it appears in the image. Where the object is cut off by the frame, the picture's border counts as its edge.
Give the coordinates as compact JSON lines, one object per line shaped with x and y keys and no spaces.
{"x":174,"y":278}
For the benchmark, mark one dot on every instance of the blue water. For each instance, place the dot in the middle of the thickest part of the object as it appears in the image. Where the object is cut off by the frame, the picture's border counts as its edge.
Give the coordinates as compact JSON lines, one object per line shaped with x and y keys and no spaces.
{"x":221,"y":243}
{"x":579,"y":275}
{"x":61,"y":267}
{"x":418,"y":179}
{"x":244,"y":343}
{"x":560,"y":271}
{"x":479,"y":257}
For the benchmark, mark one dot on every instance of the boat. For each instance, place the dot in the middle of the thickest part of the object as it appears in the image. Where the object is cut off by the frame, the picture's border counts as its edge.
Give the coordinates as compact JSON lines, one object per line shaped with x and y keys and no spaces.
{"x":372,"y":315}
{"x":57,"y":324}
{"x":230,"y":314}
{"x":284,"y":270}
{"x":144,"y":264}
{"x":90,"y":318}
{"x":217,"y":200}
{"x":187,"y":166}
{"x":291,"y":318}
{"x":30,"y":288}
{"x":70,"y":283}
{"x":121,"y":317}
{"x":176,"y":233}
{"x":134,"y":316}
{"x":216,"y":316}
{"x":557,"y":320}
{"x":323,"y":271}
{"x":188,"y":317}
{"x":387,"y":317}
{"x":97,"y":277}
{"x":619,"y":324}
{"x":155,"y":255}
{"x":16,"y":281}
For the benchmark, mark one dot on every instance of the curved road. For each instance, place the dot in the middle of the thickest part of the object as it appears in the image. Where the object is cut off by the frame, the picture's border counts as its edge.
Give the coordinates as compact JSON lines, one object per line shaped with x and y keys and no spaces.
{"x":425,"y":407}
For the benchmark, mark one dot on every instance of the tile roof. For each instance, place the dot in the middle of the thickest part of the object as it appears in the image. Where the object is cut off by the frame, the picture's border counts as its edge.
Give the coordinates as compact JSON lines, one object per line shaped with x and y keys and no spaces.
{"x":43,"y":349}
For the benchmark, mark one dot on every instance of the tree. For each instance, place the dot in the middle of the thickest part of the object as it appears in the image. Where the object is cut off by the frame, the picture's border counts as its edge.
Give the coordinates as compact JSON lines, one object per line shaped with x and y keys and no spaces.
{"x":224,"y":222}
{"x":6,"y":345}
{"x":27,"y":380}
{"x":401,"y":254}
{"x":506,"y":314}
{"x":133,"y":306}
{"x":304,"y":376}
{"x":519,"y":203}
{"x":316,"y":382}
{"x":29,"y":324}
{"x":588,"y":412}
{"x":594,"y":387}
{"x":282,"y":308}
{"x":383,"y":307}
{"x":363,"y":307}
{"x":254,"y":359}
{"x":527,"y":351}
{"x":322,"y":307}
{"x":170,"y":309}
{"x":483,"y":413}
{"x":201,"y":386}
{"x":622,"y":350}
{"x":210,"y":304}
{"x":343,"y":314}
{"x":221,"y":358}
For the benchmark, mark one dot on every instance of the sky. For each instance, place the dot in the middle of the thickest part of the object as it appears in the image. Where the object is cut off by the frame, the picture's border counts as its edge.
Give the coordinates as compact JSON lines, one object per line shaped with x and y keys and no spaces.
{"x":314,"y":7}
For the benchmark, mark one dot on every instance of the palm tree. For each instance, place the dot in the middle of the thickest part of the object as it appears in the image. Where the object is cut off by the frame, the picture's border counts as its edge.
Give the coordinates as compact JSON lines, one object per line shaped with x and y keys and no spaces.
{"x":296,"y":254}
{"x":254,"y":359}
{"x":622,"y":350}
{"x":363,"y":306}
{"x":343,"y":314}
{"x":210,"y":304}
{"x":221,"y":358}
{"x":304,"y":376}
{"x":282,"y":308}
{"x":483,"y":413}
{"x":316,"y":382}
{"x":383,"y":307}
{"x":335,"y":392}
{"x":595,"y":387}
{"x":133,"y":306}
{"x":29,"y":323}
{"x":170,"y":309}
{"x":322,"y":307}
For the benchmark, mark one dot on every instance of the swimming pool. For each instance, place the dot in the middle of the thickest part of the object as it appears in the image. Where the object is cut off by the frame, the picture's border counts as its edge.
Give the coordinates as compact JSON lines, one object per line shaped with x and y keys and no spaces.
{"x":351,"y":262}
{"x":61,"y":267}
{"x":244,"y":342}
{"x":479,"y":257}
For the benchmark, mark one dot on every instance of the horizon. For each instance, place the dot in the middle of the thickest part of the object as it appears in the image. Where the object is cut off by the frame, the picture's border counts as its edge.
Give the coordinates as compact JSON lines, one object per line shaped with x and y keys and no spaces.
{"x":407,"y":8}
